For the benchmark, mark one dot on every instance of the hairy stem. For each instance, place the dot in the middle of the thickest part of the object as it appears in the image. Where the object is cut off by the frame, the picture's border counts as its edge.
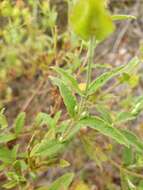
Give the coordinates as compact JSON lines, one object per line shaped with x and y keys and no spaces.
{"x":90,"y":62}
{"x":88,"y":75}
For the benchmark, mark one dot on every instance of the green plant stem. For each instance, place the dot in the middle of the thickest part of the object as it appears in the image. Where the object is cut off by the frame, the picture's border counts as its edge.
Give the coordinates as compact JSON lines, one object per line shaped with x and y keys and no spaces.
{"x":82,"y":105}
{"x":90,"y":62}
{"x":88,"y":74}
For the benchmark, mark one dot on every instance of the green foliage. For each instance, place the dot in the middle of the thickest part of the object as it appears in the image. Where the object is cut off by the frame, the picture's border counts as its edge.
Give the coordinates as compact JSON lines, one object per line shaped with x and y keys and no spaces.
{"x":20,"y":28}
{"x":105,"y":77}
{"x":47,"y":148}
{"x":63,"y":182}
{"x":92,"y":21}
{"x":104,"y":128}
{"x":28,"y":150}
{"x":3,"y":120}
{"x":68,"y":98}
{"x":19,"y":123}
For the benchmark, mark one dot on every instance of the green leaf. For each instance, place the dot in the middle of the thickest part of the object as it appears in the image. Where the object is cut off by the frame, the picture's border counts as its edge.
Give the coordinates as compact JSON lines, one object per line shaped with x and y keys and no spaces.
{"x":138,"y":106}
{"x":63,"y":182}
{"x":131,"y":65}
{"x":44,"y":119}
{"x":122,"y":17}
{"x":63,"y":163}
{"x":105,"y":129}
{"x":124,"y":117}
{"x":47,"y":148}
{"x":127,"y":156}
{"x":3,"y":121}
{"x":11,"y":184}
{"x":104,"y":113}
{"x":6,"y":155}
{"x":133,"y":140}
{"x":94,"y":21}
{"x":69,"y":100}
{"x":19,"y":123}
{"x":105,"y":77}
{"x":68,"y":79}
{"x":4,"y":138}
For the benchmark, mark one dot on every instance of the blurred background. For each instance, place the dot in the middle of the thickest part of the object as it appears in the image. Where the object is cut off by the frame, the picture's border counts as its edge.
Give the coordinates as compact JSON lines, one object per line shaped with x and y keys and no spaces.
{"x":34,"y":36}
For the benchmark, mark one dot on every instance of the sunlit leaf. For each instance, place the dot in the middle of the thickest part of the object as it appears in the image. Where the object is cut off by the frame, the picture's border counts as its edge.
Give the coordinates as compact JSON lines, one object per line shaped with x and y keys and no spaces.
{"x":44,"y":119}
{"x":68,"y":78}
{"x":47,"y":148}
{"x":105,"y":77}
{"x":19,"y":123}
{"x":123,"y":117}
{"x":133,"y":139}
{"x":105,"y":129}
{"x":6,"y":155}
{"x":127,"y":156}
{"x":3,"y":121}
{"x":90,"y":18}
{"x":4,"y":138}
{"x":63,"y":182}
{"x":11,"y":184}
{"x":68,"y":98}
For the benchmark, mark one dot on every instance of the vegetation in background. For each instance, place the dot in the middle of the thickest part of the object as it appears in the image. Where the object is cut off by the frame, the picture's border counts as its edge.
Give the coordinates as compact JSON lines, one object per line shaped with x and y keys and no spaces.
{"x":30,"y":39}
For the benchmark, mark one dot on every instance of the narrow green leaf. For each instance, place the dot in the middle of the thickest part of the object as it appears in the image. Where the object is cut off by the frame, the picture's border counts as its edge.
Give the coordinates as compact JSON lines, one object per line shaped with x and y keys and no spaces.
{"x":68,"y":79}
{"x":131,"y":65}
{"x":105,"y":128}
{"x":138,"y":106}
{"x":47,"y":148}
{"x":105,"y":77}
{"x":127,"y":156}
{"x":11,"y":184}
{"x":19,"y":123}
{"x":133,"y":139}
{"x":4,"y":138}
{"x":124,"y":117}
{"x":3,"y":121}
{"x":44,"y":119}
{"x":6,"y":155}
{"x":122,"y":17}
{"x":63,"y":182}
{"x":69,"y":100}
